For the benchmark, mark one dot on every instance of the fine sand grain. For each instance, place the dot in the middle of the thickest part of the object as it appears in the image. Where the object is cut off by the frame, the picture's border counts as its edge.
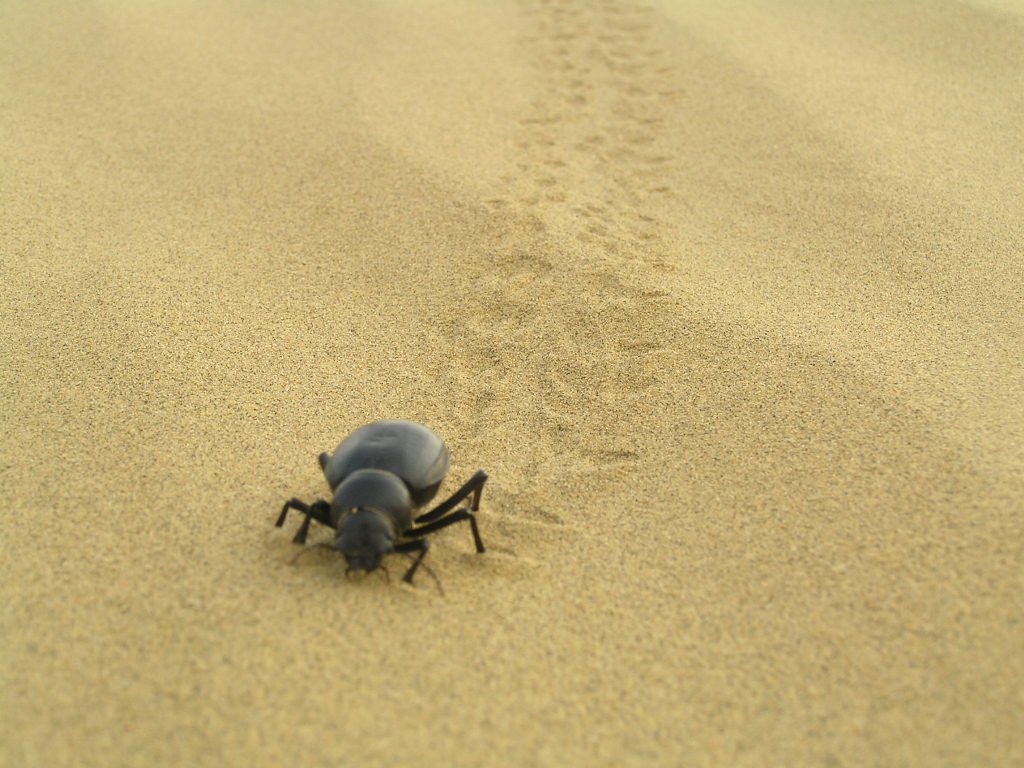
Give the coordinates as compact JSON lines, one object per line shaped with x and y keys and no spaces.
{"x":726,"y":297}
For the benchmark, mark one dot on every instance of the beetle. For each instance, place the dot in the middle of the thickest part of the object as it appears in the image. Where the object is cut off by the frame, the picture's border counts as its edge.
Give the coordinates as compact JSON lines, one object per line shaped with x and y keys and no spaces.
{"x":379,"y":476}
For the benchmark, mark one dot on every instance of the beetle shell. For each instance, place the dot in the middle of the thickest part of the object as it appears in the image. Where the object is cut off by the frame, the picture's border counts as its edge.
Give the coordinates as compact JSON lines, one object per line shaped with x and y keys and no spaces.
{"x":404,"y":448}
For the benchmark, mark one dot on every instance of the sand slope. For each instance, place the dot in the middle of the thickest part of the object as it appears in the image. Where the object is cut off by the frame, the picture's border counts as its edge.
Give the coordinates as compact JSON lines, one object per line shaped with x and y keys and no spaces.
{"x":725,"y":297}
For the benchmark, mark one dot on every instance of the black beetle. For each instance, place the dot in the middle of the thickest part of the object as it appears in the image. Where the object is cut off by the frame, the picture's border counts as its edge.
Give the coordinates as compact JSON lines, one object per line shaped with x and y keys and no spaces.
{"x":379,"y":474}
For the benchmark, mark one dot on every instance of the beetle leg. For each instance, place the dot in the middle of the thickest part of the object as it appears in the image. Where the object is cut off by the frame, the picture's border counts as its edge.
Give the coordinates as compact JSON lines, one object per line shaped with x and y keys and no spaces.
{"x":457,"y":516}
{"x":319,"y":510}
{"x":474,"y":485}
{"x":422,"y":546}
{"x":298,"y":504}
{"x":430,"y":573}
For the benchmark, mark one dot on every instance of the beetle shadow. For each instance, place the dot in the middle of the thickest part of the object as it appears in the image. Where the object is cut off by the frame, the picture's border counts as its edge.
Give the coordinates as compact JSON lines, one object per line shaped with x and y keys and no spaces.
{"x":311,"y":548}
{"x":316,"y":553}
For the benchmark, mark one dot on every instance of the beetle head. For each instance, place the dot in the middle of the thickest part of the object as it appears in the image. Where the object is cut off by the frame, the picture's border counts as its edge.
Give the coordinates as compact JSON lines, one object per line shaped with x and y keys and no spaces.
{"x":364,"y":537}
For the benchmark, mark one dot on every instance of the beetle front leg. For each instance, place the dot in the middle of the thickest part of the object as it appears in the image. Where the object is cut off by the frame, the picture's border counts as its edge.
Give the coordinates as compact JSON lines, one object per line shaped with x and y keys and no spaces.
{"x":319,"y":510}
{"x":420,"y":545}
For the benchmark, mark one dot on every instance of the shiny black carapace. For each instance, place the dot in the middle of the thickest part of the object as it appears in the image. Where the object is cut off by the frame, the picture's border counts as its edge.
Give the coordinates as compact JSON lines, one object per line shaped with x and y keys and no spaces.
{"x":380,"y":474}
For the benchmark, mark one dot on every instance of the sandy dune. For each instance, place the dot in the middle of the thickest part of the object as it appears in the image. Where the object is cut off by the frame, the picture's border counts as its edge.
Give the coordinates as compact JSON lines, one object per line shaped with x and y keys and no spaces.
{"x":726,"y":297}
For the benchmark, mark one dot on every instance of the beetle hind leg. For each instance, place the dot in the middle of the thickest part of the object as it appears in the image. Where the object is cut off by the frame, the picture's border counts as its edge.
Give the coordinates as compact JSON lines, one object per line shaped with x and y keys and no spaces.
{"x":460,"y":514}
{"x":475,"y":486}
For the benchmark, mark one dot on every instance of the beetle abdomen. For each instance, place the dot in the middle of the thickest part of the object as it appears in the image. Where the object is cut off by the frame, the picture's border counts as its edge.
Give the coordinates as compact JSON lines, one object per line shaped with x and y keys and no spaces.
{"x":403,"y":448}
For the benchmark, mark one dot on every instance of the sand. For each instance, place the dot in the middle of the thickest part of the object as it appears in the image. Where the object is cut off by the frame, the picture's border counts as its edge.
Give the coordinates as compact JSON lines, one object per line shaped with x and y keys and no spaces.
{"x":726,"y":297}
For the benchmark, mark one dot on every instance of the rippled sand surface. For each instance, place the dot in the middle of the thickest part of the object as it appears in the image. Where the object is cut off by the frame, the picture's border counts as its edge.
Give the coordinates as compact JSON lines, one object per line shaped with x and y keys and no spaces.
{"x":726,"y":297}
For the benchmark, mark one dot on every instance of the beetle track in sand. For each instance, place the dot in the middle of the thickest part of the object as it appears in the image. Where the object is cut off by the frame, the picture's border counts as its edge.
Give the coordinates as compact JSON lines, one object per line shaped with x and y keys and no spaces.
{"x":559,"y":304}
